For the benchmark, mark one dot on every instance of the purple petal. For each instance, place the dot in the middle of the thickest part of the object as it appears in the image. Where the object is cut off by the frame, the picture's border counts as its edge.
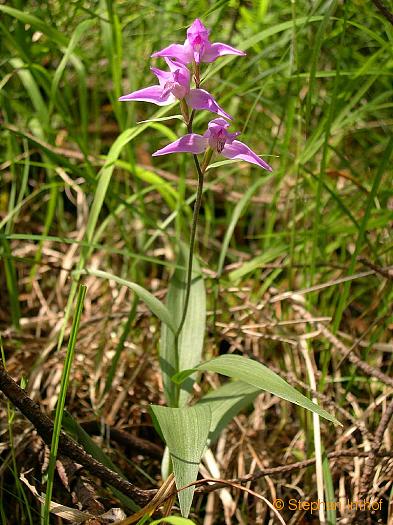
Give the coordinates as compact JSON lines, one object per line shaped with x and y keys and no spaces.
{"x":216,"y":124}
{"x":201,"y":99}
{"x":176,"y":81}
{"x":152,"y":94}
{"x":213,"y":51}
{"x":238,"y":150}
{"x":197,"y":29}
{"x":162,"y":76}
{"x":181,"y":52}
{"x":181,"y":75}
{"x":191,"y":143}
{"x":174,"y":65}
{"x":231,"y":136}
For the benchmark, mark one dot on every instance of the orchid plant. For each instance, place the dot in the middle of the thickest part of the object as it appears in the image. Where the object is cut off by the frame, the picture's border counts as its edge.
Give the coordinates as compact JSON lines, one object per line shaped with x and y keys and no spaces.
{"x":188,"y":430}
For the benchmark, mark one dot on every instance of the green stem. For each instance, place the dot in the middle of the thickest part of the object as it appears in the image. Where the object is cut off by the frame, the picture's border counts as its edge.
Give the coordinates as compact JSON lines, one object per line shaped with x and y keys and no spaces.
{"x":197,"y":206}
{"x":195,"y":216}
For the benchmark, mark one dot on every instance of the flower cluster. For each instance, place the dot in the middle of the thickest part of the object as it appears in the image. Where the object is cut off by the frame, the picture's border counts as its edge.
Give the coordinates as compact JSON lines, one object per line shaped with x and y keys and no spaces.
{"x":175,"y":84}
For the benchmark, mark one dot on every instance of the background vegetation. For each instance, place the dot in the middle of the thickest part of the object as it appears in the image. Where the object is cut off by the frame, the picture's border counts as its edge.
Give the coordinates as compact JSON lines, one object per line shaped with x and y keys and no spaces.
{"x":304,"y":284}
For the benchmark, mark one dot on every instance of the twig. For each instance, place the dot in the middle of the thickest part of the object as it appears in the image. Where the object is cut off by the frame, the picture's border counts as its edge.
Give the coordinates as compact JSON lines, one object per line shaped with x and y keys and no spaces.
{"x":294,"y":381}
{"x":385,"y":272}
{"x":67,"y":446}
{"x":355,"y":360}
{"x":371,"y":460}
{"x":80,"y":488}
{"x":284,"y":469}
{"x":317,"y":287}
{"x":363,"y":336}
{"x":384,"y":10}
{"x":124,"y":438}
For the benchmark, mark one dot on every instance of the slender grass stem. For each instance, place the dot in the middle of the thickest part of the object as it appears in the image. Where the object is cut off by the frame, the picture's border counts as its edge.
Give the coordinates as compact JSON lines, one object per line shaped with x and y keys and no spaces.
{"x":61,"y":403}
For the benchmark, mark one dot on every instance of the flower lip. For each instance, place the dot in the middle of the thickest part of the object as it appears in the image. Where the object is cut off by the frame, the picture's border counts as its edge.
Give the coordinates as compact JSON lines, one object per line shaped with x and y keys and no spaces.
{"x":221,"y":141}
{"x":197,"y":41}
{"x":169,"y":87}
{"x":217,"y":134}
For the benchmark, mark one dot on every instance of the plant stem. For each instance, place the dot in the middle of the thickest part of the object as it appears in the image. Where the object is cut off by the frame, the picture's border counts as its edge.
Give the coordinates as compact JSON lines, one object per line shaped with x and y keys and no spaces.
{"x":195,"y":216}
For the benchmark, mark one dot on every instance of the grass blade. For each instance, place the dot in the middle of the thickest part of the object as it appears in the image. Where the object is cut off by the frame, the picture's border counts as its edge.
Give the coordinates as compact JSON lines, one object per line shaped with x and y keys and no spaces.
{"x":362,"y":230}
{"x":61,"y":401}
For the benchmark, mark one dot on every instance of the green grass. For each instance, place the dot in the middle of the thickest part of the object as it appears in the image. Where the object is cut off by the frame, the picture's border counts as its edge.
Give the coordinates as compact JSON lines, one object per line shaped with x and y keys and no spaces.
{"x":313,"y":95}
{"x":65,"y":378}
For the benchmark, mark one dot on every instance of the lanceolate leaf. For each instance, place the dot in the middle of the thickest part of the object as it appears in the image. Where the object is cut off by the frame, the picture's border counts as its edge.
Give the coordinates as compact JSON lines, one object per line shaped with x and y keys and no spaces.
{"x":190,"y":342}
{"x":185,"y":431}
{"x":154,"y":304}
{"x":258,"y":375}
{"x":226,"y":402}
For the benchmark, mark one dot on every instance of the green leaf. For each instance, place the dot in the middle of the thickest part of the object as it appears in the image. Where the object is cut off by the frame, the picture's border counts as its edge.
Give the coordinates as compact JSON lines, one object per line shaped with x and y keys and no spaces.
{"x":226,"y":402}
{"x":161,"y":119}
{"x":185,"y":431}
{"x":37,"y":23}
{"x":33,"y":91}
{"x":331,"y":513}
{"x":237,"y":212}
{"x":79,"y":31}
{"x":64,"y":382}
{"x":155,"y":305}
{"x":258,"y":375}
{"x":168,"y":193}
{"x":161,"y":128}
{"x":11,"y":280}
{"x":259,"y":37}
{"x":190,"y":343}
{"x":257,"y":262}
{"x":104,"y":177}
{"x":232,"y":161}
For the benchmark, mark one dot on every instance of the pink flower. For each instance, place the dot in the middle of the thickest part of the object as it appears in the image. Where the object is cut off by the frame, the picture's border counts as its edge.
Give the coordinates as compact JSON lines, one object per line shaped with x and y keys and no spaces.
{"x":197,"y":47}
{"x":218,"y":139}
{"x":175,"y":84}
